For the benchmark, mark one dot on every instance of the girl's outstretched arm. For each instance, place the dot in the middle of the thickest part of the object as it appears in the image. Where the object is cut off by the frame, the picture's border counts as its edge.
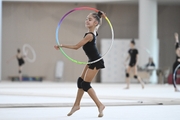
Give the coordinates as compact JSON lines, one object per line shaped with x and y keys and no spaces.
{"x":176,"y":37}
{"x":136,"y":59}
{"x":127,"y":58}
{"x":177,"y":40}
{"x":13,"y":57}
{"x":86,"y":39}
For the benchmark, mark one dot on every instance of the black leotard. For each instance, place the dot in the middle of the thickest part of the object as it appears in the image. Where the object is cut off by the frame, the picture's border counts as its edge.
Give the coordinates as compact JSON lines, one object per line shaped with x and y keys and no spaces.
{"x":133,"y":53}
{"x":176,"y":63}
{"x":20,"y":61}
{"x":92,"y":53}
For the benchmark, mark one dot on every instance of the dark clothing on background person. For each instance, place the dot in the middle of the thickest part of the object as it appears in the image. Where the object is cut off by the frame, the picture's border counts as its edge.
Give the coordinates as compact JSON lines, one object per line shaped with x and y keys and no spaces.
{"x":133,"y":53}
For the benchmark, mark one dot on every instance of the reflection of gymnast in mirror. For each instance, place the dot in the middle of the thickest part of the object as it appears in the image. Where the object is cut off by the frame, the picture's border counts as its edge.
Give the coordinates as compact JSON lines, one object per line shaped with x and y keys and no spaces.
{"x":20,"y":59}
{"x":21,"y":62}
{"x":133,"y":56}
{"x":150,"y":63}
{"x":177,"y":62}
{"x":150,"y":66}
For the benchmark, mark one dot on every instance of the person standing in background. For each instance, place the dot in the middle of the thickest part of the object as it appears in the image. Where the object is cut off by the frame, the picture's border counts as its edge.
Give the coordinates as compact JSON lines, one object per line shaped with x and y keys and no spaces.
{"x":177,"y":61}
{"x":133,"y":56}
{"x":21,"y":62}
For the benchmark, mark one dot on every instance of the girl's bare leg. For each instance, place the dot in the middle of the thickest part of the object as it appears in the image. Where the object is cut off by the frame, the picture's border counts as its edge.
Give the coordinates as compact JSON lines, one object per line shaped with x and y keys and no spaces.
{"x":20,"y":73}
{"x":138,"y":78}
{"x":142,"y":83}
{"x":127,"y":78}
{"x":100,"y":106}
{"x":76,"y":105}
{"x":79,"y":95}
{"x":177,"y":90}
{"x":90,"y":74}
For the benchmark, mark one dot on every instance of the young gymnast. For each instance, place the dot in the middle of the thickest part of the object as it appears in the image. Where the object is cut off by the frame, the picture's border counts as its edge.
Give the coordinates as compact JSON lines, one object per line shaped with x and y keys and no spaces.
{"x":133,"y":56}
{"x":177,"y":61}
{"x":92,"y":22}
{"x":21,"y":62}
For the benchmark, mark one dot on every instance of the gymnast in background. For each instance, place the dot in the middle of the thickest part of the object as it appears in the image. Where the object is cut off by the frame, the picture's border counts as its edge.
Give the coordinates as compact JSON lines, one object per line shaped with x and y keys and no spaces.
{"x":21,"y":62}
{"x":133,"y":56}
{"x":177,"y":61}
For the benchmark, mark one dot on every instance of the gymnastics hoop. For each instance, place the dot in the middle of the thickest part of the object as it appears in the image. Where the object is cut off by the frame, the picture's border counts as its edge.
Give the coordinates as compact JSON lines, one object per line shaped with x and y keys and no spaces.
{"x":58,"y":27}
{"x":175,"y":73}
{"x":25,"y":52}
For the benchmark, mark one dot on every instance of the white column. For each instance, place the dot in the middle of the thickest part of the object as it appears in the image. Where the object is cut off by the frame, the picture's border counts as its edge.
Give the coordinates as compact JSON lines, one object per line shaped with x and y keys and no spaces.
{"x":148,"y":34}
{"x":0,"y":40}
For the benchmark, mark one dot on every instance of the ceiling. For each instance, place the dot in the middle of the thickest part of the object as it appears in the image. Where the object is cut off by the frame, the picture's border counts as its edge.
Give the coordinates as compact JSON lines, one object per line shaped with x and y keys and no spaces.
{"x":96,"y":1}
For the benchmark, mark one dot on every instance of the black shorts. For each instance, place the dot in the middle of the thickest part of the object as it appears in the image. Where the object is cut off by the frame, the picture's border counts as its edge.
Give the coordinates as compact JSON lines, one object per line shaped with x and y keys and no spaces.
{"x":131,"y":64}
{"x":21,"y":62}
{"x":176,"y":63}
{"x":97,"y":65}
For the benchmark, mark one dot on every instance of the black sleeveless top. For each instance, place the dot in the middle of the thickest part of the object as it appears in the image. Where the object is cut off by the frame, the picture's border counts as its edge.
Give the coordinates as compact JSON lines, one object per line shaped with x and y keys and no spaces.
{"x":176,"y":47}
{"x":90,"y":48}
{"x":20,"y":61}
{"x":132,"y":53}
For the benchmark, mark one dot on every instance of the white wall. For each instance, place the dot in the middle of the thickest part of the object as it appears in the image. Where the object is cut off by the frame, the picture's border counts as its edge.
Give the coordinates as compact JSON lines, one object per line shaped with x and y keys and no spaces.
{"x":115,"y":60}
{"x":148,"y":31}
{"x":0,"y":40}
{"x":35,"y":24}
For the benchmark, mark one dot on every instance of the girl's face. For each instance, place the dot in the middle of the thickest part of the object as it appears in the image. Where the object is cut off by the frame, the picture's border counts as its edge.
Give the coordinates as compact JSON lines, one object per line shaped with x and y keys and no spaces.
{"x":131,"y":45}
{"x":150,"y":59}
{"x":90,"y":21}
{"x":178,"y":52}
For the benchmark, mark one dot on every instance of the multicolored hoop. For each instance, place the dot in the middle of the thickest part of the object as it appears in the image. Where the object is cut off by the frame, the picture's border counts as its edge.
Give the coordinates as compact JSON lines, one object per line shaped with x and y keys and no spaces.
{"x":174,"y":74}
{"x":58,"y":27}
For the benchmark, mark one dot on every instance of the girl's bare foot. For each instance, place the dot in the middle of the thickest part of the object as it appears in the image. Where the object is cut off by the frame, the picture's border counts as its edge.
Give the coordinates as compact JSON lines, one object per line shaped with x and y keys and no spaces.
{"x":177,"y":90}
{"x":101,"y":108}
{"x":142,"y":85}
{"x":74,"y":109}
{"x":126,"y":88}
